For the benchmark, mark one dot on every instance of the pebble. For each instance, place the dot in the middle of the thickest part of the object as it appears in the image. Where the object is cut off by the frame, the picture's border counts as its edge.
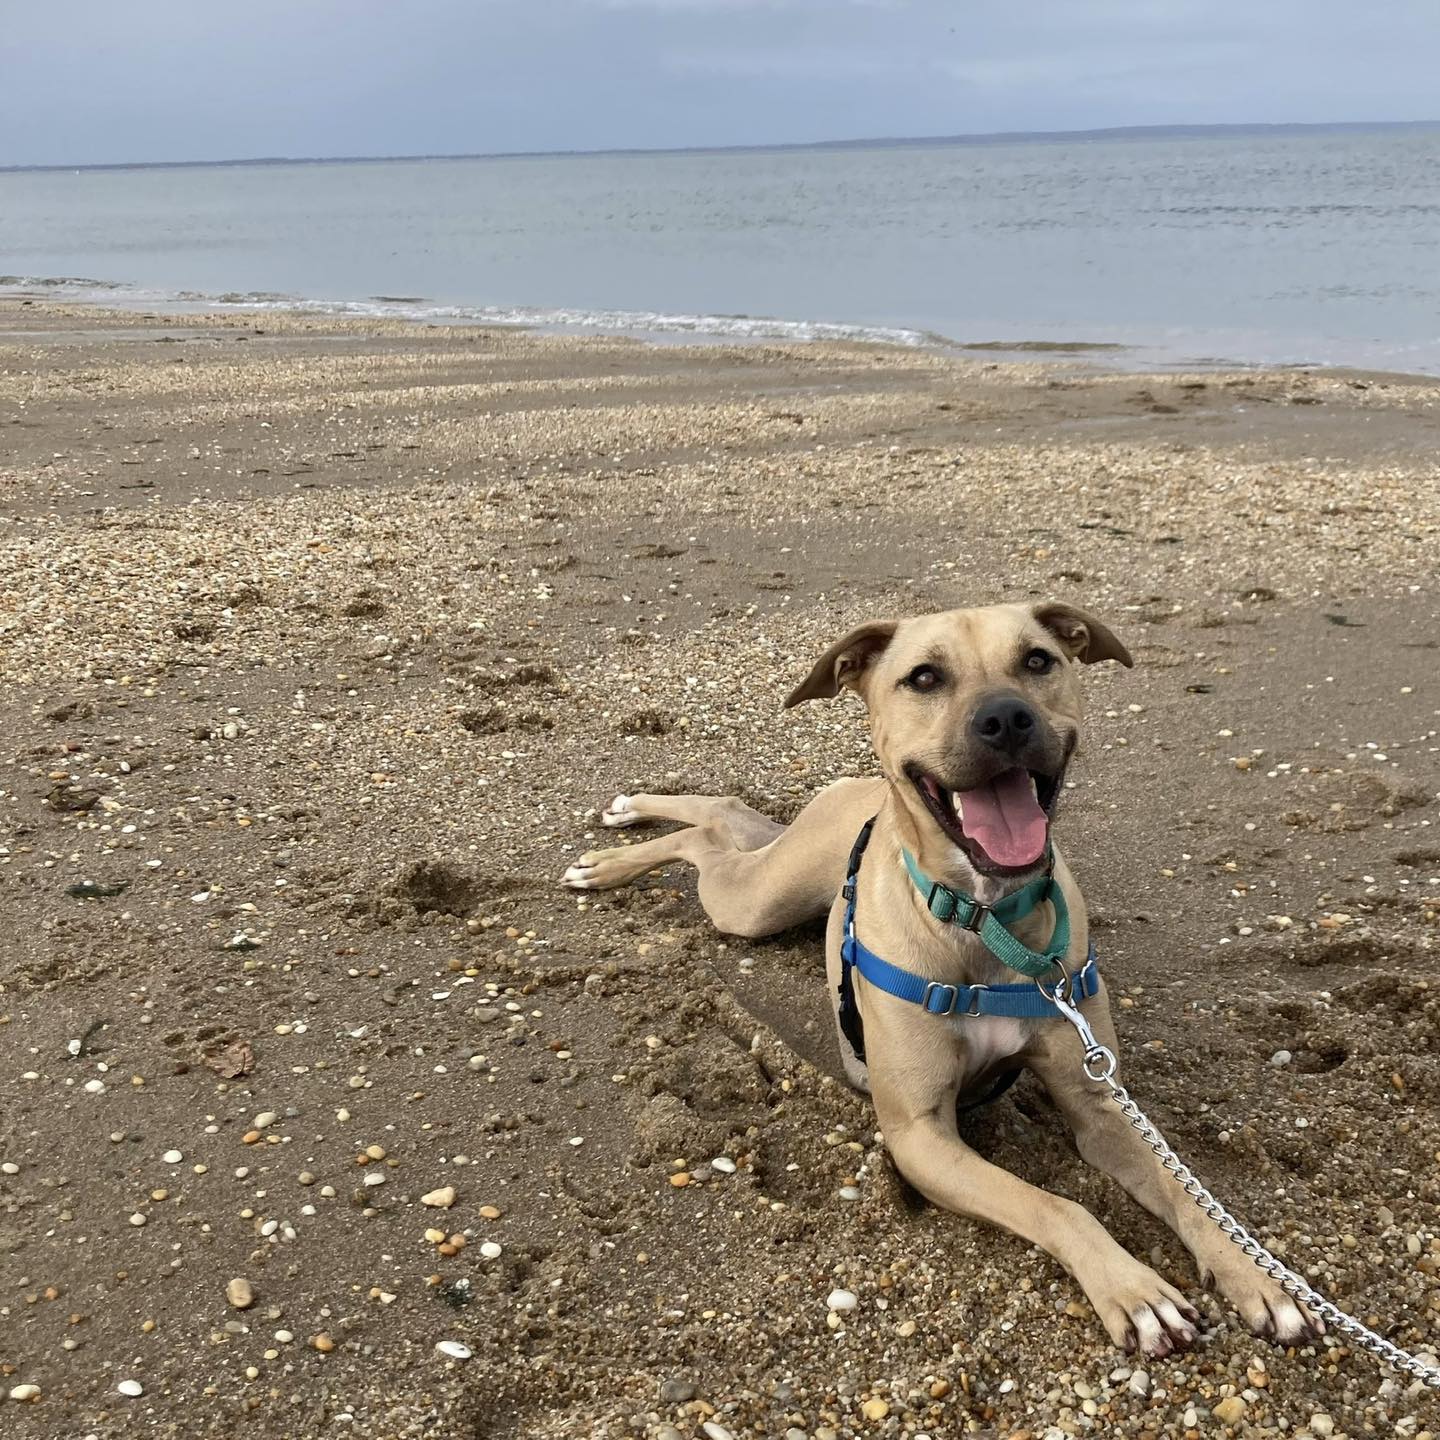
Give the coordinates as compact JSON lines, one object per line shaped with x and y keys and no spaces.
{"x":1230,"y":1411}
{"x":1322,"y":1424}
{"x":131,"y":1388}
{"x":453,"y":1349}
{"x":876,"y":1409}
{"x":715,"y":1431}
{"x":849,"y":1192}
{"x":240,"y":1293}
{"x":841,"y":1300}
{"x":137,"y":1219}
{"x":441,"y":1199}
{"x":1139,"y":1383}
{"x":323,"y":1343}
{"x":677,"y":1391}
{"x":25,"y":1392}
{"x":265,"y":1119}
{"x":1281,"y":1058}
{"x":724,"y":1164}
{"x":172,"y":1157}
{"x":489,"y":1212}
{"x":490,"y":1250}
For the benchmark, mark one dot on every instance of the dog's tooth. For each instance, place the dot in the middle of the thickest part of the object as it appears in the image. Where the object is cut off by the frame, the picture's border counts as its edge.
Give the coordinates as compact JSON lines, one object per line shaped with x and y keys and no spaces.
{"x":956,"y":806}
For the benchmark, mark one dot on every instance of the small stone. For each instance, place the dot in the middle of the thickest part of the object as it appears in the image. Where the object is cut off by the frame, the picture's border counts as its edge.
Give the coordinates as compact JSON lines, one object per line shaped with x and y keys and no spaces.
{"x":875,"y":1409}
{"x":25,"y":1392}
{"x":265,"y":1119}
{"x":1230,"y":1411}
{"x":137,"y":1219}
{"x":939,"y":1389}
{"x":841,"y":1300}
{"x":489,"y":1212}
{"x":1322,"y":1424}
{"x":434,"y":1236}
{"x":724,"y":1164}
{"x":240,"y":1293}
{"x":323,"y":1343}
{"x":490,"y":1250}
{"x":1139,"y":1383}
{"x":680,"y":1179}
{"x":1281,"y":1058}
{"x":131,"y":1388}
{"x":453,"y":1349}
{"x":172,"y":1157}
{"x":677,"y":1391}
{"x":715,"y":1431}
{"x":284,"y":1337}
{"x":441,"y":1199}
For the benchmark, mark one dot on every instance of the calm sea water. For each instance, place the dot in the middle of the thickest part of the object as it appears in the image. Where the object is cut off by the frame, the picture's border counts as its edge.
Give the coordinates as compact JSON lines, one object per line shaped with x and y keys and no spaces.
{"x":1304,"y":248}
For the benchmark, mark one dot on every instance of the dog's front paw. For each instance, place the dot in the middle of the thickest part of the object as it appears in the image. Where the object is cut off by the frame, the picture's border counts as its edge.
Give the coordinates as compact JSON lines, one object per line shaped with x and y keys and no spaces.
{"x":620,"y":812}
{"x":1263,"y":1305}
{"x":1139,"y":1310}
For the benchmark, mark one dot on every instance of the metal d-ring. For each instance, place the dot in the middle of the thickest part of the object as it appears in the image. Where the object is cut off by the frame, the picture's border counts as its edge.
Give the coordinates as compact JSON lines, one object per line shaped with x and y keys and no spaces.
{"x":1064,"y":991}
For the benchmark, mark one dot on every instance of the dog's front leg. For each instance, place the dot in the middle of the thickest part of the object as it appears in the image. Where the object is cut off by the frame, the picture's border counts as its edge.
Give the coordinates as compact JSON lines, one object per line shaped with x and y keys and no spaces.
{"x":1107,"y":1141}
{"x":1136,"y":1306}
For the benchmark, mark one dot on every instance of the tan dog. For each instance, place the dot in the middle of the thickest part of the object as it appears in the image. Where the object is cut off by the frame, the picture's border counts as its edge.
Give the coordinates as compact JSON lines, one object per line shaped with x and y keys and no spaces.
{"x":974,"y":715}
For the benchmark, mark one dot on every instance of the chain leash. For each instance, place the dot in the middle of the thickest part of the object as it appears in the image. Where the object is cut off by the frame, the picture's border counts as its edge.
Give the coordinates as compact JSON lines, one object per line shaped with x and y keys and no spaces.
{"x":1099,"y":1064}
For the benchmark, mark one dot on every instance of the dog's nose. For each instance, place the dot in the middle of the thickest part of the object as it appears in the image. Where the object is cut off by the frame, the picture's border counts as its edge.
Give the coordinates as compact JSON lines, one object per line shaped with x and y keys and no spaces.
{"x":1006,"y":722}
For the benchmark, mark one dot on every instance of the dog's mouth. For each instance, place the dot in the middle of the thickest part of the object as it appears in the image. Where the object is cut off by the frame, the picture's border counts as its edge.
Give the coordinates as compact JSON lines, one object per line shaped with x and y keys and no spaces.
{"x":1003,"y":826}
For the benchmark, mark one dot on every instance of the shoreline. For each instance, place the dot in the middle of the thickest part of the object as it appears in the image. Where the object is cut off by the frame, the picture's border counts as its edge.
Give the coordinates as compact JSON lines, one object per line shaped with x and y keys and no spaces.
{"x":651,"y":328}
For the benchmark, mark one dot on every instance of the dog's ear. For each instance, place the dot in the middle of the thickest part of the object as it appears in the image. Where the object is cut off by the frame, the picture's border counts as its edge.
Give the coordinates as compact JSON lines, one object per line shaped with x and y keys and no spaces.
{"x":844,"y":662}
{"x":1084,"y":637}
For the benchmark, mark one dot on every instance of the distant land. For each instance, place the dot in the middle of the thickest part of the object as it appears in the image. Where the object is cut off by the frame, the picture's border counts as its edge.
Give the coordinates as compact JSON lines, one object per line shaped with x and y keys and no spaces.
{"x":999,"y":137}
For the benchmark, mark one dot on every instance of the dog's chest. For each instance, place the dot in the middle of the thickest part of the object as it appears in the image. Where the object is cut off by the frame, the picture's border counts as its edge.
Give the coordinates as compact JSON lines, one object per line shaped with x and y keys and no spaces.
{"x":986,"y":1041}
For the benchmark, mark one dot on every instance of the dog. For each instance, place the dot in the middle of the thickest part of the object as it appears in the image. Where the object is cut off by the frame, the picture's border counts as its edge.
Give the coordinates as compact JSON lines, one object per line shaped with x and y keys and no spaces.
{"x":975,"y":716}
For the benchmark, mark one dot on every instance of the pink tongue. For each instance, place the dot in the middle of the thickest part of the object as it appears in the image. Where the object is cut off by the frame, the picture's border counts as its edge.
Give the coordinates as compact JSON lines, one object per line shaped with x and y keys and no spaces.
{"x":1005,"y":819}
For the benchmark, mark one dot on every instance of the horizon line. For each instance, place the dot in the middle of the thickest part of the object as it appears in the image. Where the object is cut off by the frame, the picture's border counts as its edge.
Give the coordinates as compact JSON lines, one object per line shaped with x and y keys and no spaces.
{"x":985,"y":137}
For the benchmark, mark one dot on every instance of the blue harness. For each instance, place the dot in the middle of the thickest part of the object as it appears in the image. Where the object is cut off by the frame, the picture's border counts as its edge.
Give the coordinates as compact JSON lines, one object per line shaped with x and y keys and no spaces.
{"x":1021,"y":1002}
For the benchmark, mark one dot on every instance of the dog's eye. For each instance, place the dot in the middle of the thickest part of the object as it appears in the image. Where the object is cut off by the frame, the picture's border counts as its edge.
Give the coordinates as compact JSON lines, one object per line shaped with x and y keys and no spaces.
{"x":1039,"y":661}
{"x":923,"y":678}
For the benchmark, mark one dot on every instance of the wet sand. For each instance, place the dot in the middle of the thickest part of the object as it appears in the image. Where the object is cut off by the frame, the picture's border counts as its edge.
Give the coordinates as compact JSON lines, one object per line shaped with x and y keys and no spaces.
{"x":324,"y":643}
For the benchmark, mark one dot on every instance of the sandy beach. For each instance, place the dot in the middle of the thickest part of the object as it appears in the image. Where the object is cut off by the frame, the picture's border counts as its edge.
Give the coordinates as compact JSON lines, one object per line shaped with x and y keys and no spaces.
{"x":323,"y":644}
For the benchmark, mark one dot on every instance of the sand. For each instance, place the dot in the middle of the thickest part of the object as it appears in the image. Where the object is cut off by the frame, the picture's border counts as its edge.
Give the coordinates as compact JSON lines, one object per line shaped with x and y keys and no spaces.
{"x":324,"y":643}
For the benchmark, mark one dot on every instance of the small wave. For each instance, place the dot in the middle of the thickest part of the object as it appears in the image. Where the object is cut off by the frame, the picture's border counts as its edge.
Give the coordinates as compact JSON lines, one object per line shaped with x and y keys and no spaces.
{"x":526,"y":317}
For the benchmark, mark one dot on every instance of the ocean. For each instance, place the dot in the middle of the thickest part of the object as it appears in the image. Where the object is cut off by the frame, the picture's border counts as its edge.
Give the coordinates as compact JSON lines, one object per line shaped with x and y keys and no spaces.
{"x":1300,"y":248}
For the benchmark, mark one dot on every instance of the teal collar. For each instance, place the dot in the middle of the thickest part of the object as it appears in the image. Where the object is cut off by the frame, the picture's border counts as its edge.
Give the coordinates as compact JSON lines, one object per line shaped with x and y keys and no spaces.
{"x":991,"y":922}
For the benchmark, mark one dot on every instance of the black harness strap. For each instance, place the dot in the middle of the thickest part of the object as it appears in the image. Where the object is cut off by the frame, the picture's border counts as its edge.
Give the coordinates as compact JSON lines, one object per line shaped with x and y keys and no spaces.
{"x":851,"y":1025}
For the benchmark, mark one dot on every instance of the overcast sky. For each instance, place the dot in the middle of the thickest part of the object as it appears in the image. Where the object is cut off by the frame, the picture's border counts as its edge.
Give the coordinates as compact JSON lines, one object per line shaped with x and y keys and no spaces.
{"x":89,"y":81}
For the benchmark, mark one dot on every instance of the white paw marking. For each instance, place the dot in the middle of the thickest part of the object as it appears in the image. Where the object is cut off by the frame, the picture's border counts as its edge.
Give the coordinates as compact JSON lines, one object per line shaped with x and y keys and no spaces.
{"x":618,"y":813}
{"x":579,"y":877}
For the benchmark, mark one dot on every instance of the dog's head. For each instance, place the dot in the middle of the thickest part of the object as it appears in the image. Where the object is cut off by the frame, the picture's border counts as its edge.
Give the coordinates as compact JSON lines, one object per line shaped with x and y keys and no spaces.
{"x":974,"y":716}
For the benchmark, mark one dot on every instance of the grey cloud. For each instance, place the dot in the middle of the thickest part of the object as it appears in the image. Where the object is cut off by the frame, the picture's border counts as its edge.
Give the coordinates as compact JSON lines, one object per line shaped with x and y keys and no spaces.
{"x":95,"y":81}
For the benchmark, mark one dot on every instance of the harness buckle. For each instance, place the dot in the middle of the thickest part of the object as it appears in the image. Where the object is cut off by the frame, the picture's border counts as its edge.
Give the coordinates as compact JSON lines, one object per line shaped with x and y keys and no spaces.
{"x":948,"y":912}
{"x":975,"y":999}
{"x":937,"y":985}
{"x":977,"y":917}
